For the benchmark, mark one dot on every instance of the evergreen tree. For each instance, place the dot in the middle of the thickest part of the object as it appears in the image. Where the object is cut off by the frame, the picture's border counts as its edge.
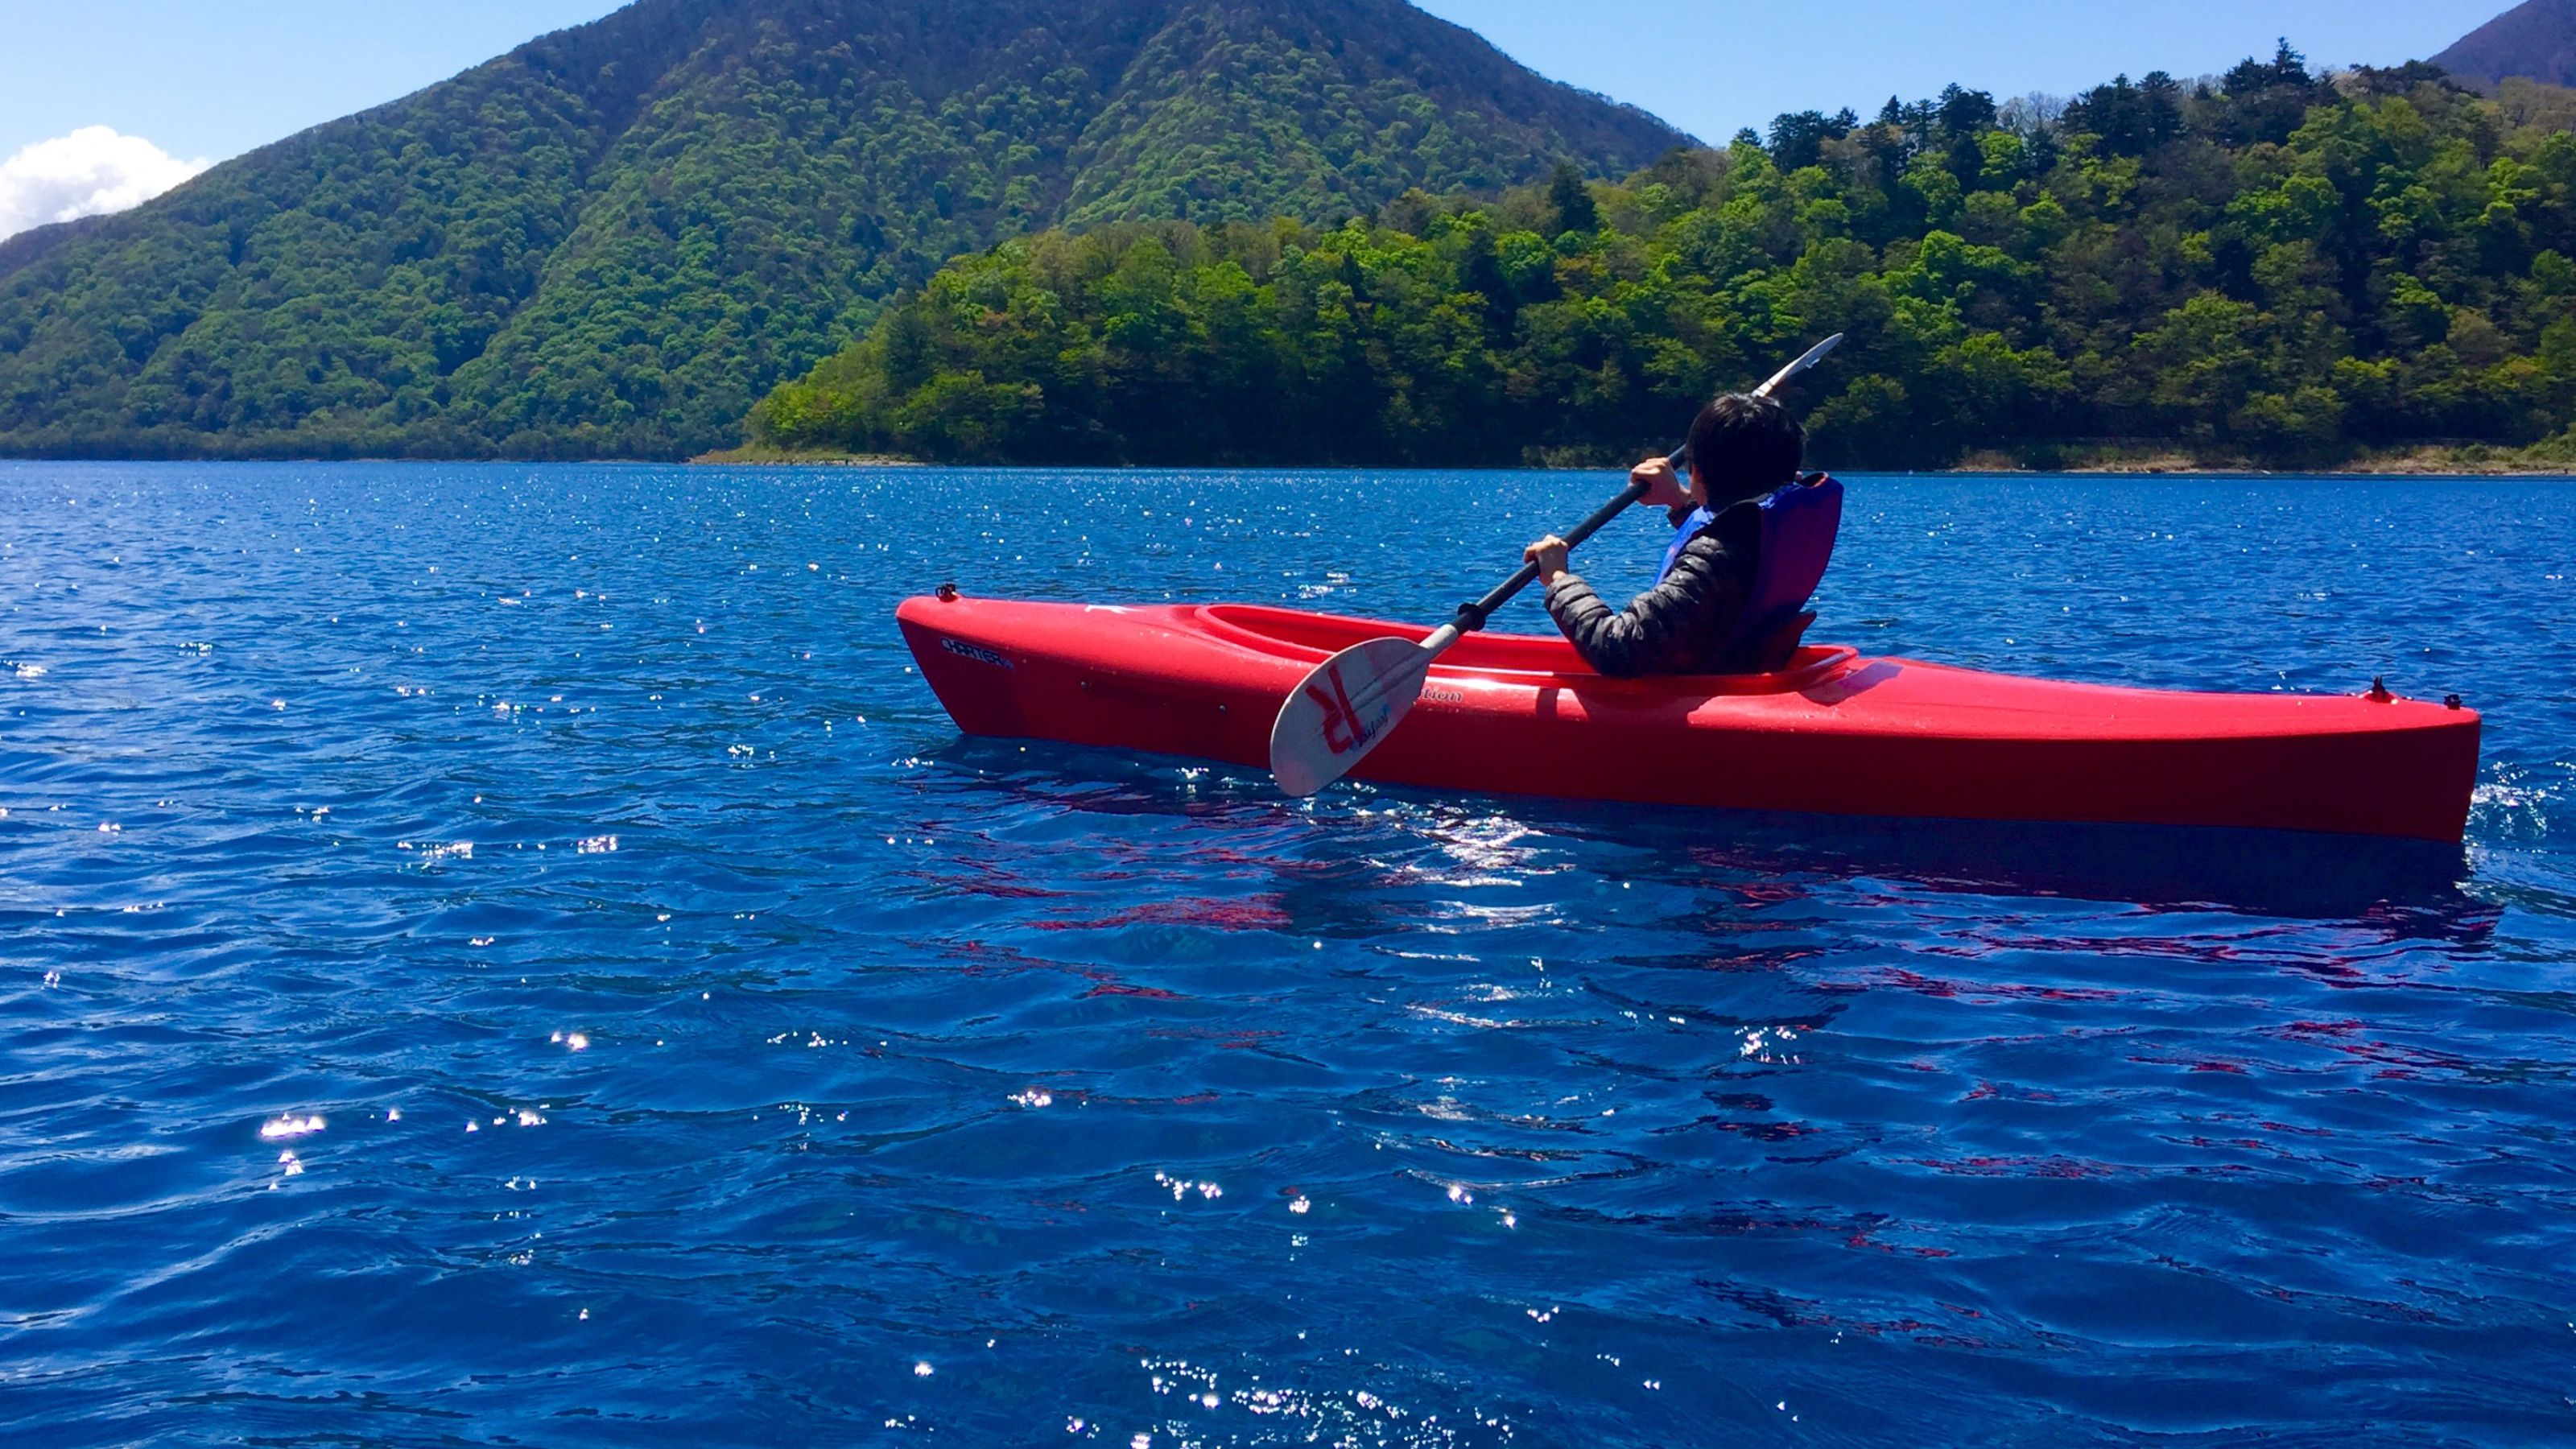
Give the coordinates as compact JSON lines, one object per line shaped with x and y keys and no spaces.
{"x":1570,"y":200}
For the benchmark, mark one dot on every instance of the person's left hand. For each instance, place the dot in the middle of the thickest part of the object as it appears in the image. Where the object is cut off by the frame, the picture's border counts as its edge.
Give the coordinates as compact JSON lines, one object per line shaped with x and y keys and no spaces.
{"x":1549,"y":554}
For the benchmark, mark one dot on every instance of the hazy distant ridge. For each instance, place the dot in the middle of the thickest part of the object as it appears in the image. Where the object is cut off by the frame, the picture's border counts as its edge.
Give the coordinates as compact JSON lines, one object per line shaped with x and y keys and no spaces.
{"x":2535,"y":40}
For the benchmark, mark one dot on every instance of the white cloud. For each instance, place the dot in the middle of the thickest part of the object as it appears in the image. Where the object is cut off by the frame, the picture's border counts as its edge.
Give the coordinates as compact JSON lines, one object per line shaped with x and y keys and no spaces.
{"x":92,"y":171}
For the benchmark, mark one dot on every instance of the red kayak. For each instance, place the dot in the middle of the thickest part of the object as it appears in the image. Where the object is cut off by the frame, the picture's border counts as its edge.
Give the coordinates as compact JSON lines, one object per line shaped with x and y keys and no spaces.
{"x":1833,"y":733}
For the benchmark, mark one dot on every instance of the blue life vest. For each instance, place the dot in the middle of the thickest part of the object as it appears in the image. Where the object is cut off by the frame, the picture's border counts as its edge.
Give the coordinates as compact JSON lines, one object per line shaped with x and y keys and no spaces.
{"x":1700,"y":518}
{"x":1799,"y":525}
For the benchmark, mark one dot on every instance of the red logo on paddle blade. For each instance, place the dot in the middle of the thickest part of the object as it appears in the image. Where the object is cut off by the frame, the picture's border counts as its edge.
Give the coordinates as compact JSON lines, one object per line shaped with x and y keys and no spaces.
{"x":1343,"y":731}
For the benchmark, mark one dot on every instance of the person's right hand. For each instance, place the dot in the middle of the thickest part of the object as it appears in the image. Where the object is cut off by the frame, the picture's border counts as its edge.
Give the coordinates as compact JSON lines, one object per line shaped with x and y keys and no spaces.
{"x":1663,"y":485}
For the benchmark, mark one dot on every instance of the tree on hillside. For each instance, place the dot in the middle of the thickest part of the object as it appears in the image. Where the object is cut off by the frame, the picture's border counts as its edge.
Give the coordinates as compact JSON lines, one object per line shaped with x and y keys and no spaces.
{"x":1798,"y":141}
{"x":1570,"y":200}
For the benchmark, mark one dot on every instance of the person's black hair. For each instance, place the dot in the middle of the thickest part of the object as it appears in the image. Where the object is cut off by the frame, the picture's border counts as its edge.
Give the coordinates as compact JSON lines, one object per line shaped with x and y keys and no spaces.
{"x":1742,"y":446}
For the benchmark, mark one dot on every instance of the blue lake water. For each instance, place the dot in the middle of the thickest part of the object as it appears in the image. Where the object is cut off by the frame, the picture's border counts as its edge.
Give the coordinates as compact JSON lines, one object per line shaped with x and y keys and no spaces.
{"x":513,"y":955}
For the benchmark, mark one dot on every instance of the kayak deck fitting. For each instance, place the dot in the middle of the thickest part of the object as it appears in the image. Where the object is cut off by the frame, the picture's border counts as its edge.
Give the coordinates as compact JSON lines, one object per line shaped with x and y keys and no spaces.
{"x":1834,"y":733}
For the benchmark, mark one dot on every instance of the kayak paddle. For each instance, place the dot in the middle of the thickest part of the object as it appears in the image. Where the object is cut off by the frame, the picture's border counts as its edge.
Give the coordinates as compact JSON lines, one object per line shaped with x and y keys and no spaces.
{"x":1340,"y":712}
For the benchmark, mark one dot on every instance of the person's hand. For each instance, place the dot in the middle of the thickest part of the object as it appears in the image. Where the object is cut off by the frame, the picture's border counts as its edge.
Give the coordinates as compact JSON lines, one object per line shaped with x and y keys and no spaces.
{"x":1549,"y":554}
{"x":1664,"y":488}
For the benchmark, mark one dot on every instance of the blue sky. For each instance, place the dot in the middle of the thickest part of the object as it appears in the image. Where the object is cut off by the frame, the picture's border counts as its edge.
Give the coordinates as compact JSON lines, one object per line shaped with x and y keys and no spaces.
{"x":1712,"y":66}
{"x":213,"y":78}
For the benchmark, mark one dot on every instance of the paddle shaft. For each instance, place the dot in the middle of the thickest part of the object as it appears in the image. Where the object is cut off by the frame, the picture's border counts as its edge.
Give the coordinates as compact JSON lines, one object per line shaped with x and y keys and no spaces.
{"x":1472,"y":617}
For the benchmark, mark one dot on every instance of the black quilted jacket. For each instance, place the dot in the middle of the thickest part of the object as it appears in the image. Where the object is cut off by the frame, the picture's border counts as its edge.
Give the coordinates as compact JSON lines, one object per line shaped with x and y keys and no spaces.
{"x":1679,"y":626}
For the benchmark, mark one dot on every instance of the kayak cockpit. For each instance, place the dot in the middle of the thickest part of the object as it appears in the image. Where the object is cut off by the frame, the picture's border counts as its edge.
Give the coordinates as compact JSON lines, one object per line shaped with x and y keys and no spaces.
{"x":1313,"y":638}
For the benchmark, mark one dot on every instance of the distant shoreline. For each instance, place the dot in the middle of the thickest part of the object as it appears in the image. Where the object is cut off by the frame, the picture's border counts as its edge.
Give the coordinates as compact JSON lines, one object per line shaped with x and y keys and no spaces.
{"x":756,"y":456}
{"x":2459,"y":461}
{"x":2413,"y":463}
{"x":2428,"y":464}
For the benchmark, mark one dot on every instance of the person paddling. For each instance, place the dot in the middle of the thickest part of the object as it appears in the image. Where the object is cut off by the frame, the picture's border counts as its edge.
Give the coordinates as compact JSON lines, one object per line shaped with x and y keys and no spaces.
{"x":1713,"y":611}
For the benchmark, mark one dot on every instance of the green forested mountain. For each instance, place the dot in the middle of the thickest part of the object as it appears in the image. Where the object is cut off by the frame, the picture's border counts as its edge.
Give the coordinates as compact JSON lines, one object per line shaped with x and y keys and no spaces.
{"x":2279,"y":268}
{"x":615,"y":239}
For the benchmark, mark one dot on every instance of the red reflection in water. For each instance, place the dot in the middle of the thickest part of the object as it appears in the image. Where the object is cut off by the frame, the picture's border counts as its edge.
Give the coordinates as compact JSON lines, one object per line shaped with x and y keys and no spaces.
{"x":1976,"y":992}
{"x":1253,"y":915}
{"x":985,"y":956}
{"x":2056,"y":1167}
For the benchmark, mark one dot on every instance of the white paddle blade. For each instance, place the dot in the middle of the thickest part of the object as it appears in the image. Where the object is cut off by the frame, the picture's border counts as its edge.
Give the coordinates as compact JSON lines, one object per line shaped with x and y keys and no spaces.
{"x":1815,"y":354}
{"x":1342,"y":710}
